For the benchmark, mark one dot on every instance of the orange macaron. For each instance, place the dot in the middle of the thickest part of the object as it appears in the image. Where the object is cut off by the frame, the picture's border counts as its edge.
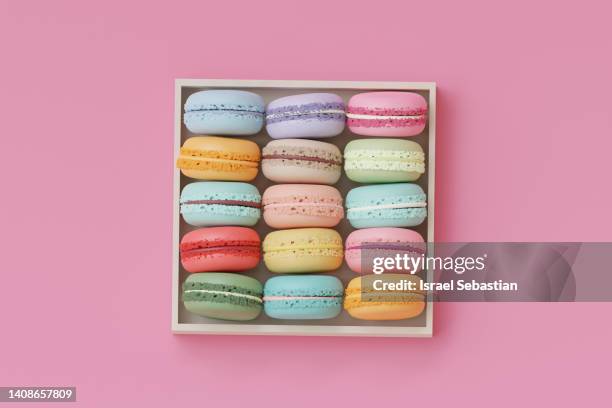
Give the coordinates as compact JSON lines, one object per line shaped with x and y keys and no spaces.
{"x":384,"y":297}
{"x":219,"y":158}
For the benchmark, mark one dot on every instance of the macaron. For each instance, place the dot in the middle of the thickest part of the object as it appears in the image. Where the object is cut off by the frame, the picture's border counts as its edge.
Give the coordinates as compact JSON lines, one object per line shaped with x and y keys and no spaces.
{"x":219,"y":158}
{"x":313,"y":115}
{"x":364,"y":245}
{"x":367,"y":297}
{"x":302,"y":205}
{"x":228,"y":296}
{"x":220,"y":249}
{"x":386,"y":205}
{"x":383,"y":160}
{"x":303,"y":250}
{"x":303,"y":297}
{"x":209,"y":203}
{"x":390,"y":114}
{"x":301,"y":161}
{"x":224,"y":112}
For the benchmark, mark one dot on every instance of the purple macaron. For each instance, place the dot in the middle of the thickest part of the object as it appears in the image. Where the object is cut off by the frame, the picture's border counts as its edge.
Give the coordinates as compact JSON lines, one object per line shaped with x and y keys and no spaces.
{"x":313,"y":115}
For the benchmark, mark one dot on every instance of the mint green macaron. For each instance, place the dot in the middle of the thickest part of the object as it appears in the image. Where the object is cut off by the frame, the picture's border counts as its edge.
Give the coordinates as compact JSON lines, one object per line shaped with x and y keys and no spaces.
{"x":218,"y":203}
{"x":383,"y":160}
{"x":386,"y":205}
{"x":227,"y":296}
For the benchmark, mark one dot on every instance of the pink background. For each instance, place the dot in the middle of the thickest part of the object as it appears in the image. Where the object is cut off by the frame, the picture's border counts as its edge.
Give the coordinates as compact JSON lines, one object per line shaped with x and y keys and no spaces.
{"x":86,"y":95}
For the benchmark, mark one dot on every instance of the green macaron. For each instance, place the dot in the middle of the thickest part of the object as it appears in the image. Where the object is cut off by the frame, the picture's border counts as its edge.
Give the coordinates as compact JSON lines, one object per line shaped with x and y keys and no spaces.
{"x":227,"y":296}
{"x":383,"y":160}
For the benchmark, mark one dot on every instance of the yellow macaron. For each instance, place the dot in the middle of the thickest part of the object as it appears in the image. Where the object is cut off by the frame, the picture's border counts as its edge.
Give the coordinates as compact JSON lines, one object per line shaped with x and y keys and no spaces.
{"x":219,"y":158}
{"x":367,"y":300}
{"x":303,"y":250}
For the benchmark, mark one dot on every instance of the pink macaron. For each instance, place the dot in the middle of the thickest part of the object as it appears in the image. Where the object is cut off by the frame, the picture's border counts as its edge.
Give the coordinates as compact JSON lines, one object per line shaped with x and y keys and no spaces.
{"x":301,"y":206}
{"x":363,"y":245}
{"x":390,"y":114}
{"x":220,"y":249}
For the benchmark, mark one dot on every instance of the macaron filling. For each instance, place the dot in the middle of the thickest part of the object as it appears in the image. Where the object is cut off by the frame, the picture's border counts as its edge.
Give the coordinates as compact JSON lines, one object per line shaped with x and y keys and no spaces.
{"x":416,"y":204}
{"x":312,"y":208}
{"x":386,"y":246}
{"x":206,"y":248}
{"x":280,"y":155}
{"x":195,"y":112}
{"x":272,"y":298}
{"x":220,"y":203}
{"x":225,"y":248}
{"x":194,"y":107}
{"x":238,"y":203}
{"x":390,"y":117}
{"x":387,"y":160}
{"x":191,"y":159}
{"x":304,"y":247}
{"x":360,"y":297}
{"x":237,"y":114}
{"x":282,"y":303}
{"x":399,"y":112}
{"x":219,"y":155}
{"x":301,"y":158}
{"x":314,"y":110}
{"x":304,"y":204}
{"x":308,"y":297}
{"x":221,"y":209}
{"x":298,"y":247}
{"x":395,"y":207}
{"x":219,"y":293}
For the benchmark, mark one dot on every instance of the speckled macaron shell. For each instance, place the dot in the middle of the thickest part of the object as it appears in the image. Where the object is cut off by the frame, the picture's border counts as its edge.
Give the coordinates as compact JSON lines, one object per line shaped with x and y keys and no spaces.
{"x":364,"y":244}
{"x":366,"y":304}
{"x":389,"y":114}
{"x":303,"y":250}
{"x":301,"y":161}
{"x":386,"y":205}
{"x":303,"y":297}
{"x":302,"y":205}
{"x":312,"y":115}
{"x":211,"y":203}
{"x":383,"y":160}
{"x":224,"y":112}
{"x":227,"y":296}
{"x":220,"y":249}
{"x":219,"y":158}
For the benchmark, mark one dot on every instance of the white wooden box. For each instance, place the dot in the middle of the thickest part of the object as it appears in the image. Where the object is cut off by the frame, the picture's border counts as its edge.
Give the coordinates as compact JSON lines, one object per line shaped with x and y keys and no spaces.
{"x":343,"y":325}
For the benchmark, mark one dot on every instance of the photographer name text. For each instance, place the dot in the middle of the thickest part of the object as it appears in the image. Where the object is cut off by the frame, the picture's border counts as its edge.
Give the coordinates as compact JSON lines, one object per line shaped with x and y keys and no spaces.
{"x":459,"y":285}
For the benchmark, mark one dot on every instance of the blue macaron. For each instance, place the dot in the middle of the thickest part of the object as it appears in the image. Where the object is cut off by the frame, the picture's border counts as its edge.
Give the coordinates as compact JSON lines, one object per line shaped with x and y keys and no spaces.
{"x":210,"y":203}
{"x":224,"y":112}
{"x":303,"y":297}
{"x":386,"y":205}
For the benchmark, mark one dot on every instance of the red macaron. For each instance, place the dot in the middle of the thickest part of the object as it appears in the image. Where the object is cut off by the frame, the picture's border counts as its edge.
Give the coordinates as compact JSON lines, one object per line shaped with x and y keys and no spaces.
{"x":220,"y":249}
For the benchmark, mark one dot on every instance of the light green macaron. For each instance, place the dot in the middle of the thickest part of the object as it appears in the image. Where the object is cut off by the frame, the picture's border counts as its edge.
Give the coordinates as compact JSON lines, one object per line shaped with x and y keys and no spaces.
{"x":228,"y":296}
{"x":383,"y":160}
